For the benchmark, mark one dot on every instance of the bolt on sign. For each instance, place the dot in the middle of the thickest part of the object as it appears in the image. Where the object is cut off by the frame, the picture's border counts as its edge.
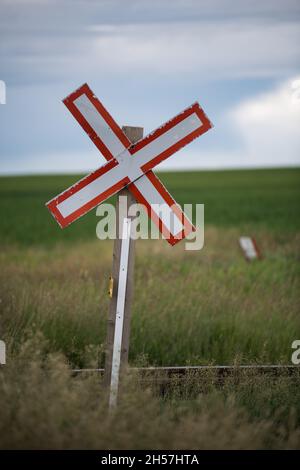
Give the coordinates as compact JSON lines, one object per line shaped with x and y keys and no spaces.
{"x":129,"y":165}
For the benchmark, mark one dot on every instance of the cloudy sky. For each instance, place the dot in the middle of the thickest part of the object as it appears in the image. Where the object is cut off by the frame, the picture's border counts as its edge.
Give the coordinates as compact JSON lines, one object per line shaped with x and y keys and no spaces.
{"x":146,"y":61}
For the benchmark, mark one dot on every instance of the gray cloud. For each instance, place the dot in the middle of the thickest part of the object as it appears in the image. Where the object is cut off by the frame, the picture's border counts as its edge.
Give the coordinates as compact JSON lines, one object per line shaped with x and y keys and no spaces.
{"x":149,"y":52}
{"x":48,"y":40}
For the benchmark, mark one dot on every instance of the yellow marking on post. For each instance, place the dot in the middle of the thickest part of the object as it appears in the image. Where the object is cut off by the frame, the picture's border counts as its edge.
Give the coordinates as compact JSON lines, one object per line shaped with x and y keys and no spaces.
{"x":111,"y":286}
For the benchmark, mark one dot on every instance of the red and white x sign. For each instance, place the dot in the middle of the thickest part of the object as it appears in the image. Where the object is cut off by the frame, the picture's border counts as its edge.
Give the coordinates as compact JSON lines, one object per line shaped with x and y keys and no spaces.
{"x":128,"y":165}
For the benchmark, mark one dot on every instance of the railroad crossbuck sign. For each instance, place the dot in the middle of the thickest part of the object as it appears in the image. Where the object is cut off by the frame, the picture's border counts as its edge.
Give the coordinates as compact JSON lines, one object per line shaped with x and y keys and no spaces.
{"x":128,"y":165}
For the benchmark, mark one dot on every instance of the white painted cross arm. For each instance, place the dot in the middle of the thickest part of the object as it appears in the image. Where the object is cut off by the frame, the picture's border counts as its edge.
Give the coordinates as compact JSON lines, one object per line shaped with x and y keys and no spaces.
{"x":128,"y":165}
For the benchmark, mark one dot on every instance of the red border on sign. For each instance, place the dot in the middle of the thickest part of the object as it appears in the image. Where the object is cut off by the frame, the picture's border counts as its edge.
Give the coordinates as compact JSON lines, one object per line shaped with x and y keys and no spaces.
{"x":258,"y":252}
{"x":65,"y":221}
{"x":85,"y":90}
{"x":206,"y":125}
{"x":188,"y":226}
{"x":133,"y":149}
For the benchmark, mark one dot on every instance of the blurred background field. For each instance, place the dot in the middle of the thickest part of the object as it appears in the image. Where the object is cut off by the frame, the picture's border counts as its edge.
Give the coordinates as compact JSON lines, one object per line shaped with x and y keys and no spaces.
{"x":189,"y":307}
{"x":243,"y":199}
{"x":197,"y":307}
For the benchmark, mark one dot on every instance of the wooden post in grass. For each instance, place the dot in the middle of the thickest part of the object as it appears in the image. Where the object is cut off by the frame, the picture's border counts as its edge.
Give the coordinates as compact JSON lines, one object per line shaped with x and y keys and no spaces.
{"x":124,"y":201}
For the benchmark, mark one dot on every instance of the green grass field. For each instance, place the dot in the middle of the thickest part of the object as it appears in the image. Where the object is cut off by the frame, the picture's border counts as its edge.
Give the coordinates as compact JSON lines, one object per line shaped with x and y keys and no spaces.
{"x":197,"y":307}
{"x":247,"y":200}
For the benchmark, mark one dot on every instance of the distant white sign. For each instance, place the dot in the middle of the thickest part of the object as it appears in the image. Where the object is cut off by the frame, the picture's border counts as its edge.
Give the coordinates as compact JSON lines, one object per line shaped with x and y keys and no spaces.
{"x":249,"y":247}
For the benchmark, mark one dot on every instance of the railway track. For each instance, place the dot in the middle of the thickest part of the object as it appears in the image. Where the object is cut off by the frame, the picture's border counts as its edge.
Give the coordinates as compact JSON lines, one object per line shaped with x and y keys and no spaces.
{"x":196,"y":376}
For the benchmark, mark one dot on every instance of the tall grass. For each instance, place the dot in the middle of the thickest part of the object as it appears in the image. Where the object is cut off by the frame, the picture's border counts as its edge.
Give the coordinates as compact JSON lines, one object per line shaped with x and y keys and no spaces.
{"x":42,"y":406}
{"x":189,"y":307}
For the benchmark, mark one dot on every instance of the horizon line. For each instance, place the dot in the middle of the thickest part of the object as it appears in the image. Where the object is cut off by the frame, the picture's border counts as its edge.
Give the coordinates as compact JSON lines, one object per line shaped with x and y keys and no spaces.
{"x":174,"y":170}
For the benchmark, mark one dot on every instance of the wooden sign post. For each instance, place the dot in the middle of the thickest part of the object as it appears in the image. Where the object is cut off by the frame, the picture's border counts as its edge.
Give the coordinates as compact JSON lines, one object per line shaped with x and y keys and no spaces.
{"x":124,"y":200}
